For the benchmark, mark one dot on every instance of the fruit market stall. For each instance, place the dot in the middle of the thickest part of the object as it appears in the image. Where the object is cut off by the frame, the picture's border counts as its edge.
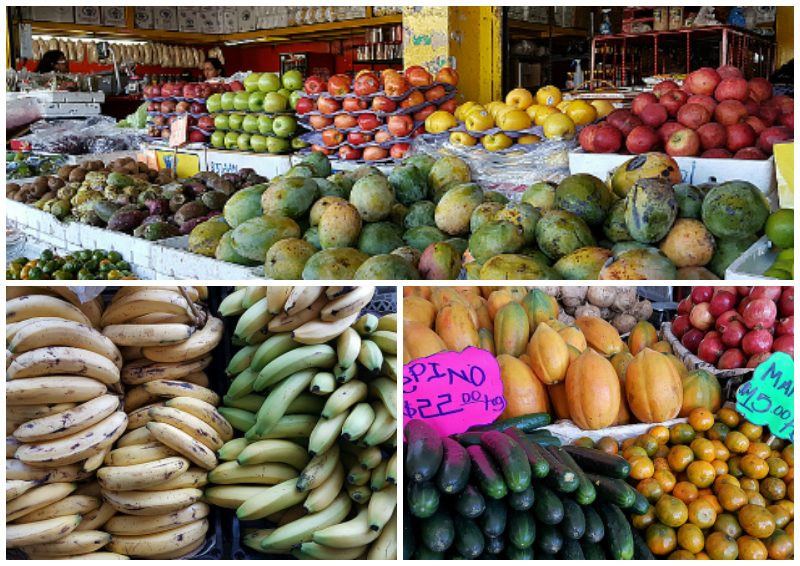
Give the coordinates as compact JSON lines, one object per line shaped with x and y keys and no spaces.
{"x":203,"y":423}
{"x":530,"y":433}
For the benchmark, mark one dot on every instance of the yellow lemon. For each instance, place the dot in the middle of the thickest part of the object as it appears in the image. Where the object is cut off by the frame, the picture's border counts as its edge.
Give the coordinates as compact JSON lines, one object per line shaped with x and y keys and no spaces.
{"x":463,"y":138}
{"x":532,"y":110}
{"x":514,"y":120}
{"x":529,"y":139}
{"x":464,"y":108}
{"x":478,"y":121}
{"x":520,"y":98}
{"x":581,"y":112}
{"x":559,"y":127}
{"x":497,"y":142}
{"x":544,"y":113}
{"x":440,"y":121}
{"x":603,"y":107}
{"x":548,"y":96}
{"x":563,"y":105}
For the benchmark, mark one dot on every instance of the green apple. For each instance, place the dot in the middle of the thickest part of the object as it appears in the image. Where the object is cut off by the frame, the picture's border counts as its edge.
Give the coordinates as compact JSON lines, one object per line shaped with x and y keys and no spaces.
{"x":227,"y":100}
{"x":214,"y":103}
{"x":256,"y":102}
{"x":269,"y":82}
{"x":241,"y":101}
{"x":275,"y":145}
{"x":235,"y":121}
{"x":222,"y":122}
{"x":284,"y":126}
{"x":292,"y":80}
{"x":250,"y":123}
{"x":297,"y":143}
{"x":251,"y":82}
{"x":243,"y":142}
{"x":296,"y":95}
{"x":231,"y":140}
{"x":218,"y":139}
{"x":258,"y":143}
{"x":265,"y":124}
{"x":274,"y":102}
{"x":287,"y":94}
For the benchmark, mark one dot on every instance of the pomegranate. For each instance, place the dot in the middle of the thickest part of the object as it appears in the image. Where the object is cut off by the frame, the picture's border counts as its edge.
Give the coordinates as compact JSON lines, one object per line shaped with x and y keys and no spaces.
{"x":732,"y":359}
{"x":757,"y":360}
{"x":786,"y":302}
{"x":733,"y":290}
{"x":743,"y":290}
{"x":756,"y":342}
{"x":784,"y":344}
{"x":691,"y":340}
{"x":702,"y":294}
{"x":701,"y":317}
{"x":711,"y":347}
{"x":743,"y":304}
{"x":685,"y":306}
{"x":680,"y":325}
{"x":785,"y":326}
{"x":760,"y":314}
{"x":733,"y":333}
{"x":722,"y":302}
{"x":726,"y":318}
{"x":770,"y":292}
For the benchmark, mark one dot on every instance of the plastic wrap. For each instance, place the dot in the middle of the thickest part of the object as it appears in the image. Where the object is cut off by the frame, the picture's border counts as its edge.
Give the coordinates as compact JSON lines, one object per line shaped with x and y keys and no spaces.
{"x":97,"y":134}
{"x":20,"y":112}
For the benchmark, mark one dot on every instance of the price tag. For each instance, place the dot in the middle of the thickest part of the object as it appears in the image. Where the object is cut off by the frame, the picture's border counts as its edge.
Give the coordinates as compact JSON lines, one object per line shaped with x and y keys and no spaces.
{"x":453,"y":391}
{"x":179,"y":131}
{"x":768,"y":398}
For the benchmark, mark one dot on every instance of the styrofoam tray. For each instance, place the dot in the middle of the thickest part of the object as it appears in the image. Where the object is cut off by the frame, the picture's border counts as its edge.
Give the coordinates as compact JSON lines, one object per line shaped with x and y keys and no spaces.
{"x":753,"y":263}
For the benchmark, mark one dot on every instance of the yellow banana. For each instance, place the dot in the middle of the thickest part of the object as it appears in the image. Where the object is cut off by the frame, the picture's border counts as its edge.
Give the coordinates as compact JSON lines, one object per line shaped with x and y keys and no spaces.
{"x":205,"y":412}
{"x":325,"y":433}
{"x":318,"y":469}
{"x":53,"y":389}
{"x":124,"y":292}
{"x":141,"y":416}
{"x":151,"y":502}
{"x":232,"y":304}
{"x":381,"y":507}
{"x":193,"y":477}
{"x":201,"y":343}
{"x":69,"y":422}
{"x":302,"y":297}
{"x":61,"y":360}
{"x":70,"y":505}
{"x":75,"y":543}
{"x":280,"y":451}
{"x":172,"y":389}
{"x":94,"y":462}
{"x":42,"y":532}
{"x":276,"y":297}
{"x":253,"y":319}
{"x":323,"y":383}
{"x":344,"y":397}
{"x":231,"y":496}
{"x":300,"y":531}
{"x":386,"y":341}
{"x":139,"y":454}
{"x":286,"y":322}
{"x":161,"y":318}
{"x":156,"y":544}
{"x":231,"y":473}
{"x":348,"y":305}
{"x":37,"y":498}
{"x":64,"y":333}
{"x":319,"y":332}
{"x":319,"y":552}
{"x":189,"y":424}
{"x":271,"y":500}
{"x":36,"y":306}
{"x":144,"y":370}
{"x":370,"y":356}
{"x":144,"y":302}
{"x":29,"y":412}
{"x":347,"y":348}
{"x":132,"y":525}
{"x":19,"y":470}
{"x":96,"y":518}
{"x":184,"y":444}
{"x":352,"y":533}
{"x":141,"y":476}
{"x":15,"y":488}
{"x":388,"y":322}
{"x":146,"y":335}
{"x":385,"y":547}
{"x":138,"y":436}
{"x":385,"y":389}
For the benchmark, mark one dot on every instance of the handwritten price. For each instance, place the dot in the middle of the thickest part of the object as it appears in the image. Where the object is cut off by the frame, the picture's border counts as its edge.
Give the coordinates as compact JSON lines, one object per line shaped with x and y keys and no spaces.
{"x":768,"y":399}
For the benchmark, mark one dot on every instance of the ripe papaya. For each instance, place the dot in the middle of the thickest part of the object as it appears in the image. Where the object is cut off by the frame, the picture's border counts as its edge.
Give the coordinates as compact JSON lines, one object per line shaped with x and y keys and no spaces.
{"x":455,"y":327}
{"x":540,"y":307}
{"x":486,"y":340}
{"x":524,"y":393}
{"x":549,"y":355}
{"x":600,"y":335}
{"x":419,"y":310}
{"x":420,"y":342}
{"x":511,"y":330}
{"x":642,"y":336}
{"x":573,"y":336}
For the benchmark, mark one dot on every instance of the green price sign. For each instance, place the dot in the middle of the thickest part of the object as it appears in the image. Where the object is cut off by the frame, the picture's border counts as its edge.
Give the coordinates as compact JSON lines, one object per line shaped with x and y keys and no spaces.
{"x":768,"y":398}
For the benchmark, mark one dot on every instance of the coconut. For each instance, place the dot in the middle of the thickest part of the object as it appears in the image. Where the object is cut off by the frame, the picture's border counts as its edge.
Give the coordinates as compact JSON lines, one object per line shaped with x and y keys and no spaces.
{"x":624,"y":323}
{"x":586,"y":310}
{"x":601,"y":296}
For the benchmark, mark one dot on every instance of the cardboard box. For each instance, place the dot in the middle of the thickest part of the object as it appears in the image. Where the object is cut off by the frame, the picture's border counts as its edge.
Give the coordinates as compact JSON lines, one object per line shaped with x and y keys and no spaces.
{"x":59,"y":14}
{"x":87,"y":15}
{"x":114,"y":16}
{"x":144,"y":17}
{"x":246,"y":19}
{"x":165,"y":18}
{"x":188,"y":20}
{"x":210,"y":20}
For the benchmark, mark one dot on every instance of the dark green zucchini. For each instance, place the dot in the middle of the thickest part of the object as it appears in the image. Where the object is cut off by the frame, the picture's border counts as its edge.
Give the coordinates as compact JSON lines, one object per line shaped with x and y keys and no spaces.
{"x":547,"y":508}
{"x":640,"y":505}
{"x":423,"y":498}
{"x":571,"y":550}
{"x":521,"y":529}
{"x":424,"y":450}
{"x":594,"y":525}
{"x":469,"y":502}
{"x":618,"y":539}
{"x":493,"y":520}
{"x":469,"y":538}
{"x":585,"y":494}
{"x":495,"y":545}
{"x":574,"y":524}
{"x":485,"y":474}
{"x":549,"y":538}
{"x":424,"y":553}
{"x":514,"y":553}
{"x":453,"y":472}
{"x":526,"y":423}
{"x":612,"y":490}
{"x":640,"y":549}
{"x":409,"y":541}
{"x":561,"y":476}
{"x":437,"y":531}
{"x":511,"y":457}
{"x":468,"y":438}
{"x":543,"y":438}
{"x":537,"y":462}
{"x":598,"y":462}
{"x":523,"y":500}
{"x":592,"y":550}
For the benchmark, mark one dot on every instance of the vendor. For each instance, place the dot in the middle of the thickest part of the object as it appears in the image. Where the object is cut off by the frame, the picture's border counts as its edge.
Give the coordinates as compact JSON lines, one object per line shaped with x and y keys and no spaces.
{"x":53,"y":60}
{"x":212,"y":69}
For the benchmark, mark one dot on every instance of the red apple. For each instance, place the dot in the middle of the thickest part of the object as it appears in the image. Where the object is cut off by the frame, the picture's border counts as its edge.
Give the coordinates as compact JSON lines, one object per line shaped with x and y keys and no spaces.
{"x":757,"y":124}
{"x":190,"y":90}
{"x":196,"y":136}
{"x":426,"y":111}
{"x":693,"y":116}
{"x":366,"y":84}
{"x":449,"y":106}
{"x":664,"y":87}
{"x":654,"y":115}
{"x":607,"y":139}
{"x":641,"y":140}
{"x":183,"y":107}
{"x":787,"y":120}
{"x":166,"y":133}
{"x":729,"y":72}
{"x":760,"y":89}
{"x":160,"y":120}
{"x":770,"y":113}
{"x":673,"y":100}
{"x":400,"y":126}
{"x":739,"y":136}
{"x":783,"y":102}
{"x":382,"y":136}
{"x":624,"y":121}
{"x":399,"y":150}
{"x":417,"y":76}
{"x":369,"y":122}
{"x":717,"y":153}
{"x":206,"y":123}
{"x":339,"y":85}
{"x":166,"y":89}
{"x":375,"y":153}
{"x":771,"y":136}
{"x":319,"y":122}
{"x":667,"y":130}
{"x":732,"y":89}
{"x":203,"y":91}
{"x":315,"y":85}
{"x":197,"y":108}
{"x":447,"y":75}
{"x":154,"y":107}
{"x":685,"y":143}
{"x":332,"y":137}
{"x":383,"y":104}
{"x":419,"y":131}
{"x":395,"y":84}
{"x":586,"y":137}
{"x":349,"y":153}
{"x":168,"y":106}
{"x":750,"y":153}
{"x":413,"y":99}
{"x":345,"y":121}
{"x":353,"y":104}
{"x":328,"y":105}
{"x":435,"y":93}
{"x":703,"y":81}
{"x":641,"y":101}
{"x":321,"y":149}
{"x":236,"y":86}
{"x":703,"y":100}
{"x":358,"y":138}
{"x":306,"y":105}
{"x":730,"y":112}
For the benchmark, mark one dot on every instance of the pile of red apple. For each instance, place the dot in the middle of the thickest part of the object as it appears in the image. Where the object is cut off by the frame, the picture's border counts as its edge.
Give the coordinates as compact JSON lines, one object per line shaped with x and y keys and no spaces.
{"x":714,"y":114}
{"x":736,"y":327}
{"x":170,"y":108}
{"x":364,"y":119}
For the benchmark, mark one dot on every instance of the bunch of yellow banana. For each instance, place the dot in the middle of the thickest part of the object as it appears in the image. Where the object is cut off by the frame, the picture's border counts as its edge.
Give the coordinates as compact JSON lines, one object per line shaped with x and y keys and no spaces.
{"x":314,"y":391}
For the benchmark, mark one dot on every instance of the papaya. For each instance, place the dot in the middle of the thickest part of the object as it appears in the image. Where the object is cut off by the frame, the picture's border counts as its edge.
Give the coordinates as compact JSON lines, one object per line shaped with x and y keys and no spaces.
{"x":486,"y":339}
{"x":517,"y":292}
{"x":496,"y":301}
{"x":420,"y":342}
{"x":423,"y":291}
{"x":573,"y":353}
{"x":440,"y":296}
{"x":701,"y":390}
{"x":540,"y":307}
{"x":642,"y":336}
{"x":573,"y":336}
{"x":679,"y":365}
{"x":419,"y":310}
{"x":653,"y":387}
{"x":555,"y":324}
{"x":479,"y":304}
{"x":455,"y":327}
{"x":600,"y":335}
{"x":511,"y":330}
{"x":662,"y":347}
{"x":523,"y":391}
{"x":620,"y":362}
{"x":549,"y":355}
{"x":524,"y":358}
{"x":593,"y":391}
{"x":558,"y":397}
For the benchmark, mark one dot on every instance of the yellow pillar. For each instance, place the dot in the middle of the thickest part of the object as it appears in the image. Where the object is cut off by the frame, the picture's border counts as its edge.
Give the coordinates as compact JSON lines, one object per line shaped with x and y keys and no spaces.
{"x":785,"y":34}
{"x":467,"y":38}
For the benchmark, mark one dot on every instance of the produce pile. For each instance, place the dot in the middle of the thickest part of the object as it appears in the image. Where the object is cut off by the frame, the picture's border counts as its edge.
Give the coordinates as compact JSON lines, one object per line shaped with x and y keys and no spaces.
{"x":117,"y":481}
{"x":736,"y":327}
{"x":314,"y":391}
{"x":715,"y":114}
{"x":24,"y":165}
{"x":85,"y":265}
{"x":166,"y":102}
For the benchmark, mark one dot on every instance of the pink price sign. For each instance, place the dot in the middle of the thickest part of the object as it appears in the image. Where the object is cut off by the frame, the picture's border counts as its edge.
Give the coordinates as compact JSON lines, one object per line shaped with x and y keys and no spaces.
{"x":453,"y":391}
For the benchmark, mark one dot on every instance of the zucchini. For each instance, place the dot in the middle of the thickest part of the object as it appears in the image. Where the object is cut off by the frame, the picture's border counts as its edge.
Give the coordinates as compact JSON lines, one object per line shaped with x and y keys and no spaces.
{"x":613,"y":490}
{"x":618,"y":539}
{"x":469,"y":538}
{"x":640,"y":549}
{"x":543,"y":439}
{"x":423,"y":553}
{"x":561,"y":477}
{"x":592,"y":550}
{"x":493,"y":520}
{"x":495,"y":545}
{"x":514,"y":553}
{"x":598,"y":462}
{"x":525,"y":423}
{"x":585,"y":494}
{"x":547,"y":508}
{"x":539,"y":466}
{"x":468,"y":438}
{"x":453,"y":472}
{"x":574,"y":524}
{"x":423,"y":498}
{"x":594,"y":525}
{"x":424,"y":450}
{"x":571,"y":550}
{"x":485,"y":474}
{"x":640,"y":505}
{"x":521,"y":501}
{"x":409,"y":541}
{"x":549,"y":538}
{"x":437,"y":532}
{"x":511,"y":457}
{"x":521,"y":529}
{"x":469,"y":503}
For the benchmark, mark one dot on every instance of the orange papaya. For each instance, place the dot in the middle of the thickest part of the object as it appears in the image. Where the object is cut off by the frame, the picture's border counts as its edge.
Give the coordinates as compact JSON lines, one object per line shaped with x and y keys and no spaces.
{"x":620,"y":362}
{"x":549,"y":355}
{"x":419,"y":341}
{"x":679,"y":365}
{"x":592,"y":391}
{"x":517,"y":292}
{"x":662,"y":347}
{"x":558,"y":397}
{"x":479,"y":304}
{"x":643,"y":335}
{"x":573,"y":336}
{"x":423,"y":291}
{"x":540,"y":307}
{"x":511,"y":330}
{"x":496,"y":300}
{"x":486,"y":340}
{"x":524,"y":393}
{"x":419,"y":310}
{"x":600,"y":335}
{"x":456,"y":328}
{"x":653,"y":387}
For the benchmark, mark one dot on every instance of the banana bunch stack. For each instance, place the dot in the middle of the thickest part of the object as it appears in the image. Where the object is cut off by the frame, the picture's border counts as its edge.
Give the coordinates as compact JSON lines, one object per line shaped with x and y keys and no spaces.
{"x":152,"y":478}
{"x":63,"y":414}
{"x":315,"y":394}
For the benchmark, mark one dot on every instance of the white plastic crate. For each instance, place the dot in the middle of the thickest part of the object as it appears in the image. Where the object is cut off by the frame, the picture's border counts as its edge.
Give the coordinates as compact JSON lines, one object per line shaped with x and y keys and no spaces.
{"x":753,"y":263}
{"x":172,"y":260}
